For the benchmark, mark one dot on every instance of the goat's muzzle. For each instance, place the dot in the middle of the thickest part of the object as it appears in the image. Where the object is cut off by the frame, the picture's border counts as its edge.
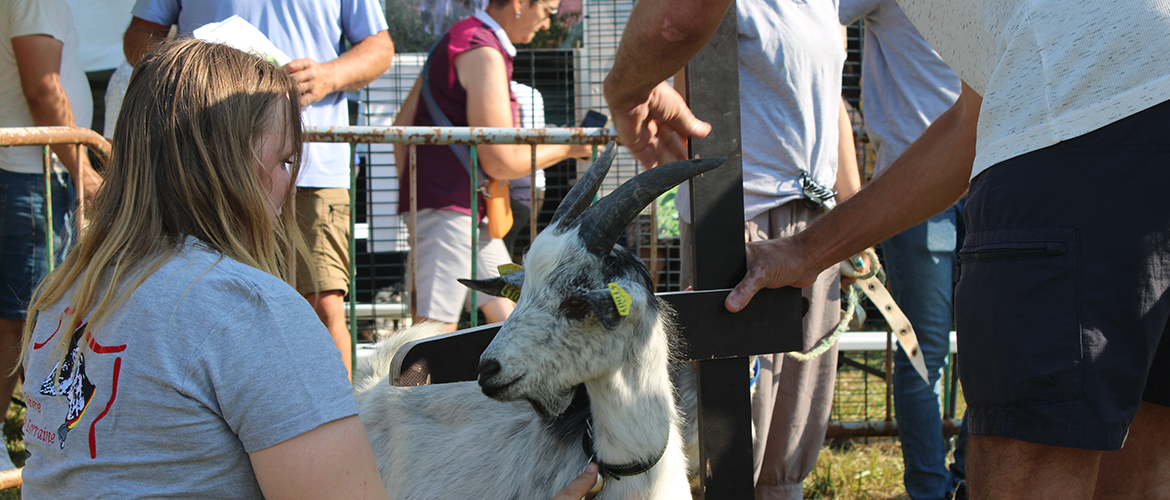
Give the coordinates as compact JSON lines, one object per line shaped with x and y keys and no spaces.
{"x":489,"y":369}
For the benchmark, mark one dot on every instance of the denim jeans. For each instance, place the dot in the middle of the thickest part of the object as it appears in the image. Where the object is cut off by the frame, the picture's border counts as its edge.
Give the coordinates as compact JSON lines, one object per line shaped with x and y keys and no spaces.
{"x":920,"y":261}
{"x":23,"y":251}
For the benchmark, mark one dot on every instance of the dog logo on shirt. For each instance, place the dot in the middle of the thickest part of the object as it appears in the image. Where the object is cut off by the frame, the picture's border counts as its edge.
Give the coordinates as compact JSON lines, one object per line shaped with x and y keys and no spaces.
{"x":69,"y":379}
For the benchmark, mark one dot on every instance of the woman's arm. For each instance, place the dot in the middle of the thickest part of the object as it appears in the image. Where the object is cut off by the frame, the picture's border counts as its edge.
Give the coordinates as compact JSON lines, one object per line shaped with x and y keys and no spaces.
{"x":848,"y":178}
{"x":405,"y":118}
{"x":482,"y":73}
{"x":332,"y":461}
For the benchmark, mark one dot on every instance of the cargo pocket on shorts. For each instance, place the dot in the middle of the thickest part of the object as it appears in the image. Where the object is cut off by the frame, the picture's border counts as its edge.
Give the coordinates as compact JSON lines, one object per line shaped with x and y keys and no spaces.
{"x":1016,"y":311}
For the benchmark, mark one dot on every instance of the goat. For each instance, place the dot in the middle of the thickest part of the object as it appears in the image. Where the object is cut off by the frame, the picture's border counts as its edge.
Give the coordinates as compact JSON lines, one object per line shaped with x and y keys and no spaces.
{"x":579,"y":372}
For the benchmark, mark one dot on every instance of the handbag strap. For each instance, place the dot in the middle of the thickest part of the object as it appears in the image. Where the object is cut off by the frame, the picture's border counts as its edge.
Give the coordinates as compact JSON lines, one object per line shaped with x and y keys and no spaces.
{"x":462,"y":152}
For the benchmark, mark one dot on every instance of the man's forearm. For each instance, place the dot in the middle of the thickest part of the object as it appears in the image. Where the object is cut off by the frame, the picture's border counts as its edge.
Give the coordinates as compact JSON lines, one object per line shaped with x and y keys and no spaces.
{"x":659,"y":38}
{"x":363,"y":63}
{"x":140,"y":37}
{"x":927,"y":178}
{"x":50,"y":107}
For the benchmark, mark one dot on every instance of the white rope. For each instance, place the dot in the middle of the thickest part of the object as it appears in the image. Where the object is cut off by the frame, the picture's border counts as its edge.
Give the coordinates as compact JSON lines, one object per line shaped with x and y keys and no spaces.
{"x":853,"y":300}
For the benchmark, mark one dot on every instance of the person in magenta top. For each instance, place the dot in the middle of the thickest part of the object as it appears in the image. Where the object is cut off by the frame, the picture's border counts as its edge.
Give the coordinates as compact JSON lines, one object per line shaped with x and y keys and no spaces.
{"x":468,"y":76}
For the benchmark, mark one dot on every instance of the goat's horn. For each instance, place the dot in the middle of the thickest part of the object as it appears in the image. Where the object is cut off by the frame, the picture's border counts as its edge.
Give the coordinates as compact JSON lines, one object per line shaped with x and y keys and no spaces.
{"x":604,"y":222}
{"x":581,"y":196}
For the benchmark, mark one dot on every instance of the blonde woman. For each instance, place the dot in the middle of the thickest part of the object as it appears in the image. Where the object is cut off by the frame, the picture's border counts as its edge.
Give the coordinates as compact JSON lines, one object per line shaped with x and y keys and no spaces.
{"x":168,"y":356}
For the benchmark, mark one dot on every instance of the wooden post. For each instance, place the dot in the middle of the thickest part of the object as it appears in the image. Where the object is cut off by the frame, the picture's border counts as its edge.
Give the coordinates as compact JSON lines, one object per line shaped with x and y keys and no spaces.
{"x":719,"y":261}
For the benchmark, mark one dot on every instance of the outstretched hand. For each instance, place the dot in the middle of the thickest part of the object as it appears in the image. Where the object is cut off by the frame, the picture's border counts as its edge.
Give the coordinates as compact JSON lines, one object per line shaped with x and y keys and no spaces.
{"x":577,"y":488}
{"x":771,"y":264}
{"x":656,"y":129}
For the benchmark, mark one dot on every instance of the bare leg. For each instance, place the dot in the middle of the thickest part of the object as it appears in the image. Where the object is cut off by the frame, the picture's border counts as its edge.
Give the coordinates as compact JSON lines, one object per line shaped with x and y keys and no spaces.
{"x":1140,"y":469}
{"x":450,"y":327}
{"x":330,"y":307}
{"x":1006,"y":469}
{"x":10,"y":333}
{"x":497,"y":309}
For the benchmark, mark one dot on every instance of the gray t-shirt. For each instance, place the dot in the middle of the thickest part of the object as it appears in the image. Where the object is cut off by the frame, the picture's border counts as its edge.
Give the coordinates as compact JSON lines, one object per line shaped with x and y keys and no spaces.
{"x":791,"y":55}
{"x":790,"y":59}
{"x":207,"y":361}
{"x":905,"y":85}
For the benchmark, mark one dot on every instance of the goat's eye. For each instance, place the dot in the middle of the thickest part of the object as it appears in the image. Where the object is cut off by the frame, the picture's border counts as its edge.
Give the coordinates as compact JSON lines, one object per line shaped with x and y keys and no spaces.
{"x":574,"y":308}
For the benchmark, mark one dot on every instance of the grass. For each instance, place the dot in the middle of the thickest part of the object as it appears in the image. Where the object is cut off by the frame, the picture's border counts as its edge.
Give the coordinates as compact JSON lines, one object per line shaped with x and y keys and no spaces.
{"x":14,"y":440}
{"x":863,"y":468}
{"x":858,"y":471}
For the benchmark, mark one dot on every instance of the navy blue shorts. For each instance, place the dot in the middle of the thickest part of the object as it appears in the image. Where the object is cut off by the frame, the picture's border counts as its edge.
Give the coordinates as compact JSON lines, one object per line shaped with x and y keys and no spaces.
{"x":1062,"y":296}
{"x":23,"y":250}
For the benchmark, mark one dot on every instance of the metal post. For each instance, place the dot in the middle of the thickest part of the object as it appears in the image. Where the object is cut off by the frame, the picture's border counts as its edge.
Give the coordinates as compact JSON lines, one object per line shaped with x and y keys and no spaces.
{"x":79,"y":214}
{"x":532,"y":198}
{"x":889,"y":372}
{"x":48,"y":167}
{"x":352,"y":258}
{"x":413,"y":230}
{"x":474,"y":232}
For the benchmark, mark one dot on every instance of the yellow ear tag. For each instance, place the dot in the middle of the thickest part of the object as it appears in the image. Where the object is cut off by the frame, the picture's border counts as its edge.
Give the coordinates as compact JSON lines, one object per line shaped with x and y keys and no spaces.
{"x":621,"y":299}
{"x":511,"y":292}
{"x":509,"y":268}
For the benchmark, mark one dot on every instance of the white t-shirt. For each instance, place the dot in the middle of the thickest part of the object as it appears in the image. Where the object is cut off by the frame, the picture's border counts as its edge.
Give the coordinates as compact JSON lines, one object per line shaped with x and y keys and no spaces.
{"x":1049,"y":70}
{"x":314,"y":29}
{"x":37,"y":17}
{"x":207,"y":361}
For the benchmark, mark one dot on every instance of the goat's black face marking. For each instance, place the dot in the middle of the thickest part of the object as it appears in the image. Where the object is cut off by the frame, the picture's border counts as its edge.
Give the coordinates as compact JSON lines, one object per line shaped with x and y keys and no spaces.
{"x":575,"y":308}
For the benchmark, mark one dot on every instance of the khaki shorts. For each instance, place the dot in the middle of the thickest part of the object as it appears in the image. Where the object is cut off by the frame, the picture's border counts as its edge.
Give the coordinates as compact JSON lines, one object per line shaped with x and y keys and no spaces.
{"x":444,"y":256}
{"x":323,"y":217}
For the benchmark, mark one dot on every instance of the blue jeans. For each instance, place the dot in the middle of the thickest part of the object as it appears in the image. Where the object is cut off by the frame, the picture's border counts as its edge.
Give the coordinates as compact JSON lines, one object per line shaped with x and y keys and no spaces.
{"x":23,"y":250}
{"x":920,"y":261}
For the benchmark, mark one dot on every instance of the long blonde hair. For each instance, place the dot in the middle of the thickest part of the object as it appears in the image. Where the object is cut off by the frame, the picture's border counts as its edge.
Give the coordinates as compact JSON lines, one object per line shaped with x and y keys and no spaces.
{"x":183,"y":164}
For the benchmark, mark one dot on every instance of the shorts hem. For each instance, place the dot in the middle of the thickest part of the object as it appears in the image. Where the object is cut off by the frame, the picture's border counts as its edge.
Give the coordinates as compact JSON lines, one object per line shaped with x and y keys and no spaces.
{"x":1031,"y":429}
{"x":327,"y":285}
{"x":13,"y":315}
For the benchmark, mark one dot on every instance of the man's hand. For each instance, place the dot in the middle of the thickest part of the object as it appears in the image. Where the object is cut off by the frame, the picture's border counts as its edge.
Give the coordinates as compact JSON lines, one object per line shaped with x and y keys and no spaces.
{"x":772,"y":264}
{"x":314,"y":80}
{"x":90,"y":182}
{"x":578,"y":488}
{"x":656,"y":129}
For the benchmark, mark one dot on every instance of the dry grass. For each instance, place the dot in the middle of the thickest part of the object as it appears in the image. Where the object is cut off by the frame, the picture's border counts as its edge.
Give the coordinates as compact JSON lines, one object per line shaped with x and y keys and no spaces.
{"x":867,"y":468}
{"x":857,"y":471}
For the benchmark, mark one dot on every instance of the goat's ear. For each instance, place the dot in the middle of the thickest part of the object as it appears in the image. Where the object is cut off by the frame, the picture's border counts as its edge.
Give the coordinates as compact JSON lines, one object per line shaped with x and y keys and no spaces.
{"x":504,"y":286}
{"x":603,"y":305}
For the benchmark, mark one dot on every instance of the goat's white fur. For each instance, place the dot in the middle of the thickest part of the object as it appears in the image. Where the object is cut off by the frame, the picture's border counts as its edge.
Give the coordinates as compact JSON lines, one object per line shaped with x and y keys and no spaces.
{"x":451,"y":441}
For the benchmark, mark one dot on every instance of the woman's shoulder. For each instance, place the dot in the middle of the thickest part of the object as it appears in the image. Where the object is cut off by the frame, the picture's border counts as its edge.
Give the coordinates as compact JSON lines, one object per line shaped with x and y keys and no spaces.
{"x":471,"y":33}
{"x":211,"y":274}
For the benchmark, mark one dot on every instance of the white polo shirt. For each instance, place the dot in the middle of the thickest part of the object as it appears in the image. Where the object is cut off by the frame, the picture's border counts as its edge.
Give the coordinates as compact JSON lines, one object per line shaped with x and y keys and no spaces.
{"x":1049,"y":70}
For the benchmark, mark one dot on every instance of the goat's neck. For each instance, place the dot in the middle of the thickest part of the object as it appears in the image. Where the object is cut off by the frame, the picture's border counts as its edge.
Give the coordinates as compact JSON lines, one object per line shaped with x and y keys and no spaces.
{"x":633,"y":409}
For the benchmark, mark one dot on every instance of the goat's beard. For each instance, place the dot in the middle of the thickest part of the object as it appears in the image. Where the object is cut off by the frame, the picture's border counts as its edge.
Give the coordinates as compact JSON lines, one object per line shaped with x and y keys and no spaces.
{"x":553,"y":406}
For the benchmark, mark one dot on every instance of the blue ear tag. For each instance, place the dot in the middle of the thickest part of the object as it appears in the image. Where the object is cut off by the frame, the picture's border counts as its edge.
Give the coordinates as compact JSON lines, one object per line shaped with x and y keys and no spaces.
{"x":621,"y":299}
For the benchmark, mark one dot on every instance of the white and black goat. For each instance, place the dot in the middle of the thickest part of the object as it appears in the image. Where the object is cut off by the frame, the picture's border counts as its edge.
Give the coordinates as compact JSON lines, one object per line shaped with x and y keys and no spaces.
{"x":570,"y":376}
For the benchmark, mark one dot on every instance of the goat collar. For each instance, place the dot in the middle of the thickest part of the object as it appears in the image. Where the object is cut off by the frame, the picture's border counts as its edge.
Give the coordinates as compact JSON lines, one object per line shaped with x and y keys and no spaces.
{"x":618,"y":471}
